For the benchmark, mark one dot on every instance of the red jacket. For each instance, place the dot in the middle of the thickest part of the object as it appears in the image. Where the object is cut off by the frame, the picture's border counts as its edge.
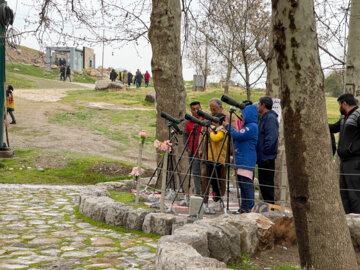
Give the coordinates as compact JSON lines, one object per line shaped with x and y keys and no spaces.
{"x":189,"y":128}
{"x":147,"y":76}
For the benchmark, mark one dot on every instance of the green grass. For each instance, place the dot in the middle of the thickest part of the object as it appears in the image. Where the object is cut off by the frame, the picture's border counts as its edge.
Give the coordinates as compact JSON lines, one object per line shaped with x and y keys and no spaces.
{"x":128,"y":199}
{"x":18,"y":82}
{"x":32,"y":71}
{"x":77,"y":171}
{"x":115,"y":228}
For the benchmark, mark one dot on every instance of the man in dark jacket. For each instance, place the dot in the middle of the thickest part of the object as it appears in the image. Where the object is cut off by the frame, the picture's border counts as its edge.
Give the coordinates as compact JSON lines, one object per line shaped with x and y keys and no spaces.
{"x":267,"y":147}
{"x":130,"y":77}
{"x":349,"y":152}
{"x":68,"y":73}
{"x":113,"y":75}
{"x":138,"y":78}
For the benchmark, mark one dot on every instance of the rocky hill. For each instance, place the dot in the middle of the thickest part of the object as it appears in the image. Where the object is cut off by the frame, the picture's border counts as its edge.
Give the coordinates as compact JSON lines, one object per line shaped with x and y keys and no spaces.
{"x":25,"y":55}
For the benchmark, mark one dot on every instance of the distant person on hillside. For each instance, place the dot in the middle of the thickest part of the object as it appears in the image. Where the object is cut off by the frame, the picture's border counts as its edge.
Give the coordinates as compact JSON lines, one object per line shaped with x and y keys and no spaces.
{"x":64,"y":62}
{"x":10,"y":103}
{"x":62,"y":73}
{"x":68,"y":73}
{"x":113,"y":75}
{"x":130,"y":78}
{"x":147,"y":78}
{"x":138,"y":78}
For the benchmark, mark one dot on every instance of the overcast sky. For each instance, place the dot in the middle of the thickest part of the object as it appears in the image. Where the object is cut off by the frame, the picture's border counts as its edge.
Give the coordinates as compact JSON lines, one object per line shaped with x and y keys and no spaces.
{"x":130,"y":57}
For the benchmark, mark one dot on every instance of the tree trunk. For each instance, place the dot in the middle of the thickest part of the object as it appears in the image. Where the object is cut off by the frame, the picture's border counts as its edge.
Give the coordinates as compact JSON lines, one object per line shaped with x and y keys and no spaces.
{"x":323,"y":235}
{"x":352,"y":78}
{"x":273,"y":90}
{"x":164,"y":35}
{"x":206,"y":69}
{"x":228,"y":72}
{"x":247,"y":75}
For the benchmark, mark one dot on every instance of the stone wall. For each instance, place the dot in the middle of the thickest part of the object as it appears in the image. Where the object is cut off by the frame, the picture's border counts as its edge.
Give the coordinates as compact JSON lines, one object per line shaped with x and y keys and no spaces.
{"x":203,"y":244}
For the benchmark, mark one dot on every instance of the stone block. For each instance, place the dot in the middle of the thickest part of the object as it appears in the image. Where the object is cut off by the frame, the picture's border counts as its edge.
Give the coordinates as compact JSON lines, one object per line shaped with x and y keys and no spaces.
{"x":180,"y":256}
{"x":224,"y":240}
{"x":117,"y":213}
{"x":94,"y":191}
{"x":151,"y":97}
{"x":119,"y":186}
{"x":353,"y":221}
{"x":193,"y":235}
{"x":95,"y":207}
{"x":158,"y":223}
{"x":135,"y":219}
{"x":179,"y":222}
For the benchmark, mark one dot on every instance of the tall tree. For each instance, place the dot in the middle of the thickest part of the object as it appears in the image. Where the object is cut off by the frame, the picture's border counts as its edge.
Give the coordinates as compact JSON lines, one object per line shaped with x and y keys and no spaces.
{"x":164,"y":35}
{"x":235,"y":26}
{"x":197,"y":52}
{"x":352,"y":78}
{"x":323,"y":236}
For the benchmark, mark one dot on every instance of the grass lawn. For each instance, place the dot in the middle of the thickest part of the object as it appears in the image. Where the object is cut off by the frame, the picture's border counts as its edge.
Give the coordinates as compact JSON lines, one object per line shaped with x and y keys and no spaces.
{"x":128,"y":199}
{"x":13,"y":71}
{"x":69,"y":168}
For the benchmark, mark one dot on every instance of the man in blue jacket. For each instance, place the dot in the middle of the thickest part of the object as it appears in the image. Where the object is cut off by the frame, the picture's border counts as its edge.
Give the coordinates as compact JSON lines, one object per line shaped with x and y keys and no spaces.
{"x":267,"y":147}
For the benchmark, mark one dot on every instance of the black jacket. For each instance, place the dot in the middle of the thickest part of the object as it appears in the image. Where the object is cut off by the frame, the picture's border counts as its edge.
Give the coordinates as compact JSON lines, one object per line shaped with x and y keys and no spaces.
{"x":349,"y":139}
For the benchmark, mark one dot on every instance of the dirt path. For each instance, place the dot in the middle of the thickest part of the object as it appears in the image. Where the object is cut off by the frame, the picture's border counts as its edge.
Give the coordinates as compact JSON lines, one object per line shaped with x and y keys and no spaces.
{"x":33,"y":129}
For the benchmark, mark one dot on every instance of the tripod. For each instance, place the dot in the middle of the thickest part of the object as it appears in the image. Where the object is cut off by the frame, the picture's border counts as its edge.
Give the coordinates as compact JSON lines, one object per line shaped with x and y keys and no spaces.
{"x":228,"y":139}
{"x":172,"y":137}
{"x":205,"y":137}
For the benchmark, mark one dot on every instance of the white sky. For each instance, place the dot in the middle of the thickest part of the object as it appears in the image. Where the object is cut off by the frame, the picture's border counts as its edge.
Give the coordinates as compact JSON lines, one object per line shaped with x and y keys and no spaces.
{"x":130,"y":57}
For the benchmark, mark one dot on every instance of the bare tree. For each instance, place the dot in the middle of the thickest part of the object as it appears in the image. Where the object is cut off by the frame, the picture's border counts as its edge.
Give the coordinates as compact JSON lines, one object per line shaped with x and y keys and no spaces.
{"x":235,"y":26}
{"x":197,"y":52}
{"x":314,"y":187}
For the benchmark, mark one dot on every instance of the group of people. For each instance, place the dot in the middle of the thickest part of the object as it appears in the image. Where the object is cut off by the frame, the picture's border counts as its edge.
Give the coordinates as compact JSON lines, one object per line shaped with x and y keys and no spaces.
{"x":65,"y":72}
{"x":127,"y":77}
{"x":255,"y":138}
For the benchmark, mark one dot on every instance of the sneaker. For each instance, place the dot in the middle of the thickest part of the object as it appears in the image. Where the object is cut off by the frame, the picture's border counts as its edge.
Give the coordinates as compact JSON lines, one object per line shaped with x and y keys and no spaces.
{"x":240,"y":211}
{"x":12,"y":122}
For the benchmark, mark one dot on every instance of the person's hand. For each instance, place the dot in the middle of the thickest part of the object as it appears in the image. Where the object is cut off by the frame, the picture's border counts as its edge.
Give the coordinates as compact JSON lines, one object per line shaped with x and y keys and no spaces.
{"x":200,"y":153}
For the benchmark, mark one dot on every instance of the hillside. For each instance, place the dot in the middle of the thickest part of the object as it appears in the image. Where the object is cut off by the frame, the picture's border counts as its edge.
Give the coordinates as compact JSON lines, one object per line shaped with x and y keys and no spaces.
{"x":25,"y":55}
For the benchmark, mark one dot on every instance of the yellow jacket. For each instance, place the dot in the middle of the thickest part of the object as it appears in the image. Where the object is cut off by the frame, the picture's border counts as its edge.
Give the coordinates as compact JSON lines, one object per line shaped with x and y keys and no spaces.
{"x":216,"y":142}
{"x":10,"y":102}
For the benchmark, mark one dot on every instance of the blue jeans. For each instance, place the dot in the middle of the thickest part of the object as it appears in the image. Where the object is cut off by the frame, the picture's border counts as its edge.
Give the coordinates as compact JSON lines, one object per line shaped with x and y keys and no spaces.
{"x":146,"y":84}
{"x":138,"y":84}
{"x":247,"y":193}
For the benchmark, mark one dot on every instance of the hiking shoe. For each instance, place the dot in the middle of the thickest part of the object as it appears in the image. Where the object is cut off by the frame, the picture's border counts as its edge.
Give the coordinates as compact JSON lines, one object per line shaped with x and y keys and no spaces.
{"x":12,"y":122}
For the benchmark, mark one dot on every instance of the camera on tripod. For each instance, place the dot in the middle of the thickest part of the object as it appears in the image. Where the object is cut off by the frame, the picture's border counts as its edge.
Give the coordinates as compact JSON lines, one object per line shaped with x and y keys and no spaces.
{"x":210,"y":117}
{"x":172,"y":122}
{"x":204,"y":123}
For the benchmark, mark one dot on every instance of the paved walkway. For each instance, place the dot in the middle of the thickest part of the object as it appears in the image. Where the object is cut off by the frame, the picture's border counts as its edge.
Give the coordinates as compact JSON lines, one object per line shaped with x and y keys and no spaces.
{"x":38,"y":230}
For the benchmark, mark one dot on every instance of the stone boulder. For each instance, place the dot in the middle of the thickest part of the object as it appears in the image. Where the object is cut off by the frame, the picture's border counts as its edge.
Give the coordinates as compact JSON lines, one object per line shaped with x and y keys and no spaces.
{"x":193,"y":235}
{"x":95,"y":207}
{"x":94,"y":191}
{"x":117,"y":213}
{"x":54,"y":67}
{"x":158,"y":223}
{"x":134,"y":219}
{"x":151,"y":96}
{"x":247,"y":230}
{"x":180,"y":256}
{"x":353,"y":221}
{"x":78,"y":72}
{"x":106,"y":84}
{"x":179,"y":222}
{"x":265,"y":230}
{"x":224,"y":239}
{"x":93,"y":73}
{"x":119,"y":186}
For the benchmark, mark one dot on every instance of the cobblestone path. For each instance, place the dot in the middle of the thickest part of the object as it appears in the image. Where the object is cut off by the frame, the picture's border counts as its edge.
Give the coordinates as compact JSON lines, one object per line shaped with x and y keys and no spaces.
{"x":38,"y":230}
